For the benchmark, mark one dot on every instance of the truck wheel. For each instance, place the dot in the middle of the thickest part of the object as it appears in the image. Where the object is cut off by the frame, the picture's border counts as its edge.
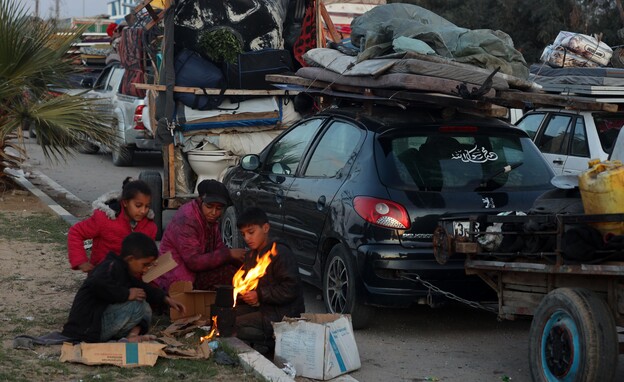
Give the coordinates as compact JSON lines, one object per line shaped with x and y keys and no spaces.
{"x":229,"y":231}
{"x":340,"y":288}
{"x":154,"y":181}
{"x":122,"y":155}
{"x":573,"y":338}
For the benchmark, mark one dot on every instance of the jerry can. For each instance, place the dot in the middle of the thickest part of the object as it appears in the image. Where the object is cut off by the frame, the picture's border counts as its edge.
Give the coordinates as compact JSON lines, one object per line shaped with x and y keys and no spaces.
{"x":602,"y":192}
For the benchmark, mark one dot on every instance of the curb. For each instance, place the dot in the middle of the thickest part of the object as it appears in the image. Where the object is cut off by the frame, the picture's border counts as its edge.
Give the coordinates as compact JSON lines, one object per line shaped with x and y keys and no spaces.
{"x":250,"y":359}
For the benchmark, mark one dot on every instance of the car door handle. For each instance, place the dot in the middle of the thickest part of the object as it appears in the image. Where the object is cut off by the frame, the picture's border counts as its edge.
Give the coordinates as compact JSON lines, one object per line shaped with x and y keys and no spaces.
{"x":279,"y":196}
{"x":558,"y":161}
{"x":320,"y":203}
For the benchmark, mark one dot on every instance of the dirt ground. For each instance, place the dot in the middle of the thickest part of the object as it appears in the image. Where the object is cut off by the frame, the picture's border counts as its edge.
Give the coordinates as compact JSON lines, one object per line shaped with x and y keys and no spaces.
{"x":37,"y":291}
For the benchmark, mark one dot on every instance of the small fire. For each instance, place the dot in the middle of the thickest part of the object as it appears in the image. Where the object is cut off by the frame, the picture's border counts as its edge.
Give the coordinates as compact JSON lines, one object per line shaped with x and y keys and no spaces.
{"x":245,"y":282}
{"x":213,"y":331}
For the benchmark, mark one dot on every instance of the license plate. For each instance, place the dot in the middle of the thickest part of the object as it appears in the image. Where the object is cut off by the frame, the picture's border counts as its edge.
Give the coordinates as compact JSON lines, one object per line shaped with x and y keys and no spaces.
{"x":461,"y":229}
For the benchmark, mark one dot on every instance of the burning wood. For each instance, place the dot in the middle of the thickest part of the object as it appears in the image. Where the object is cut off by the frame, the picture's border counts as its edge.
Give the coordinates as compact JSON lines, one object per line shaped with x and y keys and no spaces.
{"x":214,"y":332}
{"x":245,"y":282}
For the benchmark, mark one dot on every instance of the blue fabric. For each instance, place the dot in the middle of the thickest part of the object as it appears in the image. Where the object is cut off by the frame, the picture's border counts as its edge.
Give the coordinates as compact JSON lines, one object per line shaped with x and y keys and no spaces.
{"x":119,"y":319}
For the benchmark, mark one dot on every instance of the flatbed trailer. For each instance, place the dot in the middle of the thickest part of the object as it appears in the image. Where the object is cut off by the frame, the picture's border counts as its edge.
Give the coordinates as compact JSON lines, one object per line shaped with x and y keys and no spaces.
{"x":576,"y":305}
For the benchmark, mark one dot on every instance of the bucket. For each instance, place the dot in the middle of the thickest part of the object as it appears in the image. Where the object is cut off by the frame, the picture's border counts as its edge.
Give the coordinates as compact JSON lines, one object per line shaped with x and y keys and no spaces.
{"x":602,"y":192}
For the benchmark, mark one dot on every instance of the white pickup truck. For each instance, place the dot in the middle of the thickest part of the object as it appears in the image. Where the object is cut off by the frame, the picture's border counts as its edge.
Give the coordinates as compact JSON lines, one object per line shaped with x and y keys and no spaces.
{"x":127,"y":116}
{"x":568,"y":139}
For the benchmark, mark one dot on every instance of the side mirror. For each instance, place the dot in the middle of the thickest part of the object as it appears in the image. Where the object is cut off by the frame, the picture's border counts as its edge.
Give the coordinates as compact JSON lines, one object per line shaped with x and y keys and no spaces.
{"x":87,"y":83}
{"x":250,"y":162}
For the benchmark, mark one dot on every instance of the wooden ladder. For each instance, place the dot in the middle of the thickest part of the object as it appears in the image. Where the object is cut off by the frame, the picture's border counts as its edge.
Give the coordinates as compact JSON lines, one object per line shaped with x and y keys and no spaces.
{"x":156,"y":14}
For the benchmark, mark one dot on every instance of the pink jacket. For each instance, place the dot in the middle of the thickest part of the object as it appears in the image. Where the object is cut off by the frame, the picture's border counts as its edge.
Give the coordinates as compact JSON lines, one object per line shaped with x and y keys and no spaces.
{"x":107,"y":227}
{"x":194,"y":244}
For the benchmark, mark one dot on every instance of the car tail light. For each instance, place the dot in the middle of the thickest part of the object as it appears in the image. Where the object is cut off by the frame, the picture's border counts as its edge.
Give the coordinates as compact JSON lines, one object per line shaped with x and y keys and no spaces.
{"x":138,"y":118}
{"x":382,"y":212}
{"x":458,"y":129}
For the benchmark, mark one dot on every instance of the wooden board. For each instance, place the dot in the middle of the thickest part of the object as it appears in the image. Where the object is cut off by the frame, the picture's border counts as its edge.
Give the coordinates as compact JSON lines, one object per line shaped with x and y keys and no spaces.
{"x":212,"y":91}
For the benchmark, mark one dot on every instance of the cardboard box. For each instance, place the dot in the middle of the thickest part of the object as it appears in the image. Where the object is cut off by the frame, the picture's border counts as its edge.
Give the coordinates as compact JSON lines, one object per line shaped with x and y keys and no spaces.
{"x":195,"y":301}
{"x":112,"y":353}
{"x":319,"y":346}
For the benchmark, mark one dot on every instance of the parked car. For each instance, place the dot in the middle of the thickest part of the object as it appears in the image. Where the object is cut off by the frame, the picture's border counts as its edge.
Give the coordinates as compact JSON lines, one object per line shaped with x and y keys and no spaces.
{"x":127,"y":111}
{"x":357,"y":196}
{"x":569,"y":139}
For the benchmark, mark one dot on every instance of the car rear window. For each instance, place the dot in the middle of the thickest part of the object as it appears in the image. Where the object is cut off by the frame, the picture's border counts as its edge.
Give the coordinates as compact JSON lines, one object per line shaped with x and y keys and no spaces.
{"x":608,"y":127}
{"x":461,"y":162}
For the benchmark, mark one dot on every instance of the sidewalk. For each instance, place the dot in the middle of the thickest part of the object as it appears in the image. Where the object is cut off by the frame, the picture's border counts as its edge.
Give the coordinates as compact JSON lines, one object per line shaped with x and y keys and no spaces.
{"x":250,"y":359}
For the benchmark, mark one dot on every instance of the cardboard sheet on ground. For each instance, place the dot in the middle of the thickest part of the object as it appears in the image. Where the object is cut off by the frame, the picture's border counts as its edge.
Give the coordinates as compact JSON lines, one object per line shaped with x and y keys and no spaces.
{"x":112,"y":353}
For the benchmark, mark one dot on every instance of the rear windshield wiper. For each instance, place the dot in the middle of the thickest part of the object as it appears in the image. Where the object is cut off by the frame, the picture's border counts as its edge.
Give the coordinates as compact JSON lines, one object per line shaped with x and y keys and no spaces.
{"x":485,"y":181}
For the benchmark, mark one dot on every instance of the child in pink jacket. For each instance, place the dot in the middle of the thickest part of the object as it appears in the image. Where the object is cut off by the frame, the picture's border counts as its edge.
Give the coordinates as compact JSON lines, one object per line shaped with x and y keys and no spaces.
{"x":114,"y":217}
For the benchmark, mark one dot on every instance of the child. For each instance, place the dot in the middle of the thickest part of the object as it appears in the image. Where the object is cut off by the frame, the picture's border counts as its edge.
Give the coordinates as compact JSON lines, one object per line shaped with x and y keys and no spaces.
{"x":113,"y":302}
{"x":279,"y":292}
{"x":113,"y":218}
{"x":194,"y":240}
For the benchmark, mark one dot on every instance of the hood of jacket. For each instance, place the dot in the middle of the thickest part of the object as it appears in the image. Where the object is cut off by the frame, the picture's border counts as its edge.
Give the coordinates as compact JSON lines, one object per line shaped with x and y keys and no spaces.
{"x":109,"y":203}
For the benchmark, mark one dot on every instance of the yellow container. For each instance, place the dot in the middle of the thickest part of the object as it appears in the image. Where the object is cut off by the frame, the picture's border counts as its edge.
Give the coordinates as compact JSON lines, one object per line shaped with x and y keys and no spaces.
{"x":602,"y":192}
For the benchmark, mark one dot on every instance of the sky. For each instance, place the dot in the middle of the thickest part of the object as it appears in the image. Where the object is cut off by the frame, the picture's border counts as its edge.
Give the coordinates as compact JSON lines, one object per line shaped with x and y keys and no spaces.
{"x":68,"y":8}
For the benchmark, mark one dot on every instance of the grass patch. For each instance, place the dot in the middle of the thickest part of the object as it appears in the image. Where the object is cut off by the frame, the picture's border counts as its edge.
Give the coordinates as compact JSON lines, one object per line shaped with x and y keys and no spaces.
{"x":37,"y":227}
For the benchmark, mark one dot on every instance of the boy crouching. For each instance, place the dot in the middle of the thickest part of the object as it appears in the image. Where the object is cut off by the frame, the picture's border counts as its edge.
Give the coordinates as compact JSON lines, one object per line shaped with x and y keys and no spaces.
{"x":279,"y":292}
{"x":113,"y":302}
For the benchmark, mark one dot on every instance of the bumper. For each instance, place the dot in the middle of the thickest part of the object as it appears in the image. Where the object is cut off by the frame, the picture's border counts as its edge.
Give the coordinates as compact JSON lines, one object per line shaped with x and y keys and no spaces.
{"x":383,"y":268}
{"x":147,"y":144}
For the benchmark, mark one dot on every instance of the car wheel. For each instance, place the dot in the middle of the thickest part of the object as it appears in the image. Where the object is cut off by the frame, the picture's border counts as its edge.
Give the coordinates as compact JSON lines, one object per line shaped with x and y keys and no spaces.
{"x":122,"y":155}
{"x":229,"y":231}
{"x":154,"y":181}
{"x":340,"y":288}
{"x":573,"y":338}
{"x":85,"y":147}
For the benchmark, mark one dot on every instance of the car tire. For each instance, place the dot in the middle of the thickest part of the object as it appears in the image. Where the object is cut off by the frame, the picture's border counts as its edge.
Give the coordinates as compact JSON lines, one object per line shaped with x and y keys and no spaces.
{"x":229,"y":231}
{"x":573,"y":337}
{"x":122,"y":155}
{"x":154,"y":181}
{"x":86,"y":147}
{"x":340,"y":288}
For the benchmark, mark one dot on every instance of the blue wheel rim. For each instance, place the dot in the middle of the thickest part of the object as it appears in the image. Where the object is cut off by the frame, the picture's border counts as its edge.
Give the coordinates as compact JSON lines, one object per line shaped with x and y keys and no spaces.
{"x":560,"y":348}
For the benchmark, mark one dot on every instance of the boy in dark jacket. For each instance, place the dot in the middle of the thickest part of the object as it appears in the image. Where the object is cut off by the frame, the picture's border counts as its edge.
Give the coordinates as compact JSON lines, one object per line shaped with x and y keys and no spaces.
{"x":279,"y":292}
{"x":113,"y":302}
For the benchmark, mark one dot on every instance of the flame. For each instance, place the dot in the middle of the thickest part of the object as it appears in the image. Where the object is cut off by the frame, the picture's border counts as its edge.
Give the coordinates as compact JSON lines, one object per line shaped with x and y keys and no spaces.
{"x":213,"y":331}
{"x":245,"y":282}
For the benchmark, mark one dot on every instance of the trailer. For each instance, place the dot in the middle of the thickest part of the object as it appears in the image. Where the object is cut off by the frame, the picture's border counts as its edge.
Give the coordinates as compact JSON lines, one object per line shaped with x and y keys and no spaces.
{"x":576,"y":304}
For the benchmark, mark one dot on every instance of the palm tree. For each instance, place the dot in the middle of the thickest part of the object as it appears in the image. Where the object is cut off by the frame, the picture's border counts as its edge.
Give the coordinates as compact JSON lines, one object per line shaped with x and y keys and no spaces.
{"x":32,"y":59}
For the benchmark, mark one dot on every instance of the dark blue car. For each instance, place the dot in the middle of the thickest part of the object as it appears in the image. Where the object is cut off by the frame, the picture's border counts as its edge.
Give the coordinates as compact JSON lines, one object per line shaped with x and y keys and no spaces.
{"x":357,"y":195}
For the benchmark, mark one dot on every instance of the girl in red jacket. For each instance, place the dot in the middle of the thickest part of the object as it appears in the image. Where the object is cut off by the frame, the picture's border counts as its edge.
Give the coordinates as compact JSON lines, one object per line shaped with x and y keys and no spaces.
{"x":114,"y":217}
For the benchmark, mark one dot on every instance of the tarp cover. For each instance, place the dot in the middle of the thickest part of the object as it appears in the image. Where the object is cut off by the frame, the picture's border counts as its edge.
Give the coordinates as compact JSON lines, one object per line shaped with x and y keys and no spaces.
{"x":375,"y":30}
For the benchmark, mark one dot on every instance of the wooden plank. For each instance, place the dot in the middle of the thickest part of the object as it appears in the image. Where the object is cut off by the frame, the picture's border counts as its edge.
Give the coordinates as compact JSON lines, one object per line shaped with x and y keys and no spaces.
{"x":520,"y":100}
{"x":171,"y":173}
{"x":522,"y":302}
{"x":235,"y":117}
{"x":329,"y":23}
{"x":213,"y":91}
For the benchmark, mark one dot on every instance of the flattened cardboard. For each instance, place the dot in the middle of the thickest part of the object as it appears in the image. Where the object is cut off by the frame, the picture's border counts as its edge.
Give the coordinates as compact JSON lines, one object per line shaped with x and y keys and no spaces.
{"x":195,"y":301}
{"x":112,"y":353}
{"x":319,"y":346}
{"x":164,"y":264}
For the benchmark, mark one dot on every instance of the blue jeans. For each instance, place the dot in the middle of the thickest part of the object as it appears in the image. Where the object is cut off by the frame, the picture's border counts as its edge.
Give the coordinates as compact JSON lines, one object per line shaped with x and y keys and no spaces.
{"x":119,"y":319}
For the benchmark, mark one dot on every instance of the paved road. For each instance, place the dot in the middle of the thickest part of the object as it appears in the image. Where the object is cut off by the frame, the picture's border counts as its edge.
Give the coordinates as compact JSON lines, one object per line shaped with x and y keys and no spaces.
{"x":448,"y":344}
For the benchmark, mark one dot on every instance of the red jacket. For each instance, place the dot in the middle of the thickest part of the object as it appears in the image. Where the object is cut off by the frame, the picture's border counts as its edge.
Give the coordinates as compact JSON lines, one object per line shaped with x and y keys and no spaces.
{"x":194,"y":244}
{"x":107,"y":227}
